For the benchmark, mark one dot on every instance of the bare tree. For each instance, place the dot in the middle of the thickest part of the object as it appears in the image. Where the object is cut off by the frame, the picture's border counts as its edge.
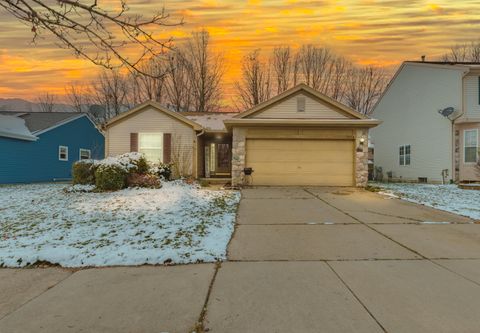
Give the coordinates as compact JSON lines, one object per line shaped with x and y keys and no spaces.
{"x":255,"y":85}
{"x":339,"y":76}
{"x":97,"y":33}
{"x":466,"y":52}
{"x":46,"y":102}
{"x":363,"y":88}
{"x":206,"y":70}
{"x":150,"y":86}
{"x":78,"y":97}
{"x":178,"y":82}
{"x":282,"y":67}
{"x":111,"y":90}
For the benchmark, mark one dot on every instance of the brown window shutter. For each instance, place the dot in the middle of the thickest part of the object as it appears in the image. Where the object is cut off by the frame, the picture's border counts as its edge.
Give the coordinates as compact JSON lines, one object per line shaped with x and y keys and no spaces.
{"x":133,"y":142}
{"x":167,"y":147}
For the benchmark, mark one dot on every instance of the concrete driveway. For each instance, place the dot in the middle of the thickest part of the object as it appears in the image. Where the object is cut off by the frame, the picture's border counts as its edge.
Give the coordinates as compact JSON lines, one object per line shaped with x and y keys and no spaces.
{"x":300,"y":260}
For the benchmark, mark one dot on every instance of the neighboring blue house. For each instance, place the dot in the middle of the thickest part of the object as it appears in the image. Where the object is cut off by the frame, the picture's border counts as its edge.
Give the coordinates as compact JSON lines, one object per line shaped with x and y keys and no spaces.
{"x":42,"y":146}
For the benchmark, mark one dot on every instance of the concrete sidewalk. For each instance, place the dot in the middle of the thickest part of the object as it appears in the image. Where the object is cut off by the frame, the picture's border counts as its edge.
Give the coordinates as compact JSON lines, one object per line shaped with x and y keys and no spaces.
{"x":301,"y":260}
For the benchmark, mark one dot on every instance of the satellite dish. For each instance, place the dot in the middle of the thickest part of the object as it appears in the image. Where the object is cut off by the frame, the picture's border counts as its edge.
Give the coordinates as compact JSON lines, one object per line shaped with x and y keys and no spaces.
{"x":447,"y":111}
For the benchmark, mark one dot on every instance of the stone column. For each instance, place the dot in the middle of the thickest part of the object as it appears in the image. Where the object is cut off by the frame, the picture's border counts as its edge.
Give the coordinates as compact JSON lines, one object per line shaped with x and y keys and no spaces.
{"x":238,"y":155}
{"x":361,"y":158}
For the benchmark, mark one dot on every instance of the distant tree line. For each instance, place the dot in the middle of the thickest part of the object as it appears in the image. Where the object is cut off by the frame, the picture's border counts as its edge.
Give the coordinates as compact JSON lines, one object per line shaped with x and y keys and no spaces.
{"x":187,"y":78}
{"x":320,"y":68}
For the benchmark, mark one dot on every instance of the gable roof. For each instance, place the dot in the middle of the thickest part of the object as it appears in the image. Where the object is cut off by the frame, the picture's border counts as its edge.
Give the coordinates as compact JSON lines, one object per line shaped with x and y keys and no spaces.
{"x":158,"y":107}
{"x":41,"y":122}
{"x":309,"y":91}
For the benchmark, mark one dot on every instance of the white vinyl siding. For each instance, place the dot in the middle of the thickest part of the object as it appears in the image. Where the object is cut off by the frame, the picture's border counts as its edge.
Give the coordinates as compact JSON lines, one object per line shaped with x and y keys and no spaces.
{"x":470,"y":146}
{"x":409,"y":111}
{"x":84,"y":154}
{"x":288,"y":109}
{"x":62,"y":153}
{"x":151,"y":120}
{"x":151,"y":145}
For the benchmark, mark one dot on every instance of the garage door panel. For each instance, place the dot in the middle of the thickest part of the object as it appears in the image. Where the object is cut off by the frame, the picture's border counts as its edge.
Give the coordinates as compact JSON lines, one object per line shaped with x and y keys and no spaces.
{"x":331,"y":168}
{"x":300,"y":162}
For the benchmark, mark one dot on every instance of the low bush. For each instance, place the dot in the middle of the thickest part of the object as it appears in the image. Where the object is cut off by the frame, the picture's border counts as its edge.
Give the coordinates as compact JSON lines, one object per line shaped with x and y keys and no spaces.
{"x":162,"y":170}
{"x":143,"y":180}
{"x":110,"y":177}
{"x":83,"y":172}
{"x":141,"y":166}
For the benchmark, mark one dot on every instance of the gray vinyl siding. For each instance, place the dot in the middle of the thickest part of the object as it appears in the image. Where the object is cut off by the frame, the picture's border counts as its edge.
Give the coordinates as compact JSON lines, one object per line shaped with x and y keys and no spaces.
{"x":409,"y":111}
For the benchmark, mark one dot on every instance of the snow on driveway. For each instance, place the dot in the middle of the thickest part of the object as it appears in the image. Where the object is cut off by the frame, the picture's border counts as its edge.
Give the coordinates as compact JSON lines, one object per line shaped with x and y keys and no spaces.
{"x":445,"y":197}
{"x":178,"y":223}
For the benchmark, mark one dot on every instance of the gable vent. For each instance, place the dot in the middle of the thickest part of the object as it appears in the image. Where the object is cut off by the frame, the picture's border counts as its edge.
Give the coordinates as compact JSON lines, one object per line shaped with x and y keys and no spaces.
{"x":300,"y":104}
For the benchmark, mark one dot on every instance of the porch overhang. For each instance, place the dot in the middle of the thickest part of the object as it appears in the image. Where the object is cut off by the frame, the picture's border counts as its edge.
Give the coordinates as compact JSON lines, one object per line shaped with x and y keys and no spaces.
{"x":252,"y":122}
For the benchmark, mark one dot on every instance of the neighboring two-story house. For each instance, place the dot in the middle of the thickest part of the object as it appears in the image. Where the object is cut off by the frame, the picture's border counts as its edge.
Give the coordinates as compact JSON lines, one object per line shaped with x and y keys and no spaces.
{"x":431,"y":121}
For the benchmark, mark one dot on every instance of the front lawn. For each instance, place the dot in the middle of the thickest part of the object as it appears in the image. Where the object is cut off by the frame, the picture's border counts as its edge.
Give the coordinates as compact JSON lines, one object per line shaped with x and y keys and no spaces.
{"x":178,"y":223}
{"x":445,"y":197}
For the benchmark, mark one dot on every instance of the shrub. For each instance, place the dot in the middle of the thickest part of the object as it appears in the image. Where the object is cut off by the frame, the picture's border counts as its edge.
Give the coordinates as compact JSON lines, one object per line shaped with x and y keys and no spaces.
{"x":141,"y":166}
{"x":163,"y":170}
{"x":110,"y":177}
{"x":83,"y":172}
{"x":143,"y":180}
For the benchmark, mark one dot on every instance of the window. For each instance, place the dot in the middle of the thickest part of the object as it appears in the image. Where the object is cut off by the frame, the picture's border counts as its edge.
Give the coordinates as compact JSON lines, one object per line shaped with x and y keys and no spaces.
{"x":405,"y":155}
{"x":301,"y":104}
{"x":62,"y":153}
{"x":85,"y":154}
{"x":151,"y":144}
{"x":470,"y":146}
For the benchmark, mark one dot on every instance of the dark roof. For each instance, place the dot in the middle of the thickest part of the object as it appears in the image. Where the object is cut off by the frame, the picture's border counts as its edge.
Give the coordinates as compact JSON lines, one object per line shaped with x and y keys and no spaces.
{"x":38,"y":121}
{"x":445,"y":62}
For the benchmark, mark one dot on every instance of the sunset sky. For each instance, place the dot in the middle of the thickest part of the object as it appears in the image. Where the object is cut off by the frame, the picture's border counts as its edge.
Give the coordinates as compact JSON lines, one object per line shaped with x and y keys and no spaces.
{"x":381,"y":32}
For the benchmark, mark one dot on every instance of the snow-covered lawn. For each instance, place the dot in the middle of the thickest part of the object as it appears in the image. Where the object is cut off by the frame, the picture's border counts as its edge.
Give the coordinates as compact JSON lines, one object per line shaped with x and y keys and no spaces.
{"x":445,"y":197}
{"x":178,"y":223}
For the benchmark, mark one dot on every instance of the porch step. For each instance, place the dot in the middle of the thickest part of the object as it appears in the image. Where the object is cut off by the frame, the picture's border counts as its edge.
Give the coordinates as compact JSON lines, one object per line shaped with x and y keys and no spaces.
{"x":220,"y":181}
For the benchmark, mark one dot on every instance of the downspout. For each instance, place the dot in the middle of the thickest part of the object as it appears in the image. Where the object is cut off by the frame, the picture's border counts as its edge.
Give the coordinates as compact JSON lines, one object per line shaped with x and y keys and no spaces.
{"x":462,"y":88}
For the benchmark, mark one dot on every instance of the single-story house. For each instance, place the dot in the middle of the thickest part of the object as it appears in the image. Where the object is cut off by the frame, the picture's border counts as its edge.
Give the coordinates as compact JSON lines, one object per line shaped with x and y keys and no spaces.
{"x":42,"y":146}
{"x":431,"y":123}
{"x":300,"y":137}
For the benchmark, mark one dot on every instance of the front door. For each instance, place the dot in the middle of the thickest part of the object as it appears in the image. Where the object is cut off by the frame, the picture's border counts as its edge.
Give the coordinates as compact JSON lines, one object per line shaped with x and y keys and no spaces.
{"x":223,"y":158}
{"x":218,"y":159}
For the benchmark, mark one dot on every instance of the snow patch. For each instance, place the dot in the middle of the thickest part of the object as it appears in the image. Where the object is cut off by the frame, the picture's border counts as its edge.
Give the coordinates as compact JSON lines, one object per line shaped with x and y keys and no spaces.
{"x":178,"y":223}
{"x":449,"y":198}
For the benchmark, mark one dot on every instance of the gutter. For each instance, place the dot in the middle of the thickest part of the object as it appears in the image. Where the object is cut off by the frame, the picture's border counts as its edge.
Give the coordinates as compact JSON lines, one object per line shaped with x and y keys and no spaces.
{"x":303,"y":122}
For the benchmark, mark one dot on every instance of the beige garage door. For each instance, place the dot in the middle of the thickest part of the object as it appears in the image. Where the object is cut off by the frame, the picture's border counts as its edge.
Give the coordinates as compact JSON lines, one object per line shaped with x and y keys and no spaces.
{"x":300,"y":162}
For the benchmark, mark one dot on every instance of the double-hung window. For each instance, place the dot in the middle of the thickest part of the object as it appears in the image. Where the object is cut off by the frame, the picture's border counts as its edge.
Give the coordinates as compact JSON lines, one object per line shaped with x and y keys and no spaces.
{"x":404,"y":153}
{"x":151,"y":145}
{"x":470,"y":146}
{"x":62,"y":153}
{"x":85,"y":154}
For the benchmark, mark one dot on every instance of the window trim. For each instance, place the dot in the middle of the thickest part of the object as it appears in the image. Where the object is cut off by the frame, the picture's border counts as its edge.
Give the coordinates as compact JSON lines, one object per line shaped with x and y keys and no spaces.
{"x":161,"y":145}
{"x":59,"y":153}
{"x":405,"y":155}
{"x":80,"y":154}
{"x":465,"y":145}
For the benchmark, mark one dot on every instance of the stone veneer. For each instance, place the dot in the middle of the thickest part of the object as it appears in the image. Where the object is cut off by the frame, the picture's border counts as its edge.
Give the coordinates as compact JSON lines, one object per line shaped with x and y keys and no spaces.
{"x":238,"y":156}
{"x":361,"y":158}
